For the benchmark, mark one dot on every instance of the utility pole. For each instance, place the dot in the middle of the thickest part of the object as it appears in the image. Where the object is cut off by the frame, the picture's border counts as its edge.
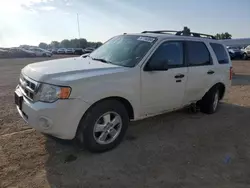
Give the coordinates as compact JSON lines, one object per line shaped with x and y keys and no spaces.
{"x":78,"y":29}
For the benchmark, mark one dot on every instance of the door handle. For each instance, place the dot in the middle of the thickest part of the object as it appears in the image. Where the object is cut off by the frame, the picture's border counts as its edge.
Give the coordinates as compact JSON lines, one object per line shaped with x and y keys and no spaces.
{"x":210,"y":72}
{"x":179,"y":76}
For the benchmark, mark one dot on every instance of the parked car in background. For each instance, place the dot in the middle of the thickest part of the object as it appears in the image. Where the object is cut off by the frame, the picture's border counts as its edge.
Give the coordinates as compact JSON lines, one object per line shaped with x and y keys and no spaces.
{"x":88,"y":50}
{"x":4,"y":53}
{"x":70,"y":51}
{"x":130,"y":77}
{"x":234,"y":52}
{"x":54,"y":50}
{"x":246,"y":52}
{"x":21,"y":52}
{"x":78,"y":51}
{"x":41,"y":52}
{"x":61,"y":50}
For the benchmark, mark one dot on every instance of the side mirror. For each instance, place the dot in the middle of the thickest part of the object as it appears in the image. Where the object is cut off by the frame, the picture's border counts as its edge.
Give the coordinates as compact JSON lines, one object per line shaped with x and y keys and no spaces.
{"x":156,"y":66}
{"x":85,"y":55}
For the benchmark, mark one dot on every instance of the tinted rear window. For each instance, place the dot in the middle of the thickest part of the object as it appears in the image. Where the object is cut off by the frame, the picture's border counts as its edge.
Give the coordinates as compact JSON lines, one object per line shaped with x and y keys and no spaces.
{"x":220,"y":53}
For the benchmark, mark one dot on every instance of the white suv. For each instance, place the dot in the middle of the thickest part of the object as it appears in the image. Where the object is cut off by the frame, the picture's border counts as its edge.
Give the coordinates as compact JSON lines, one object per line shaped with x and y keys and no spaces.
{"x":130,"y":77}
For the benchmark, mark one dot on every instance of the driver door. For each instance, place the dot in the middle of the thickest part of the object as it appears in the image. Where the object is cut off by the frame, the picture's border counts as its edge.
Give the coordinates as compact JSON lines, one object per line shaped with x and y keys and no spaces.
{"x":163,"y":80}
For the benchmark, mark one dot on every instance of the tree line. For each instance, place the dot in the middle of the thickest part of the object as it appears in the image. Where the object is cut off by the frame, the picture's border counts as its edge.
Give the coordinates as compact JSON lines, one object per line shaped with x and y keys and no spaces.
{"x":219,"y":36}
{"x":83,"y":43}
{"x":72,"y":43}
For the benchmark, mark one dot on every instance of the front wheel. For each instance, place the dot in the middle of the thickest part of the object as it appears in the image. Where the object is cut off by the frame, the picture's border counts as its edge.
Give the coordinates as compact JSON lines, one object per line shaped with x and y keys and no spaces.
{"x":210,"y":101}
{"x":103,"y":126}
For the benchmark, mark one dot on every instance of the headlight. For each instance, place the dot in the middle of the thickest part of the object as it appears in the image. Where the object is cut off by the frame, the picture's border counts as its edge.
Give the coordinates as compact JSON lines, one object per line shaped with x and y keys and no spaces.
{"x":50,"y":93}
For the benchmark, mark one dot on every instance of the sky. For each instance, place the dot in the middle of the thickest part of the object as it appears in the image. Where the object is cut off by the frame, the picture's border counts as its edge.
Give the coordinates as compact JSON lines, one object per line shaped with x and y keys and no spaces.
{"x":34,"y":21}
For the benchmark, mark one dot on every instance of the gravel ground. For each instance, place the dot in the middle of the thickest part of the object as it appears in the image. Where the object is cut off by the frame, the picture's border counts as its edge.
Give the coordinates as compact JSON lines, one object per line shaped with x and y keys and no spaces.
{"x":174,"y":150}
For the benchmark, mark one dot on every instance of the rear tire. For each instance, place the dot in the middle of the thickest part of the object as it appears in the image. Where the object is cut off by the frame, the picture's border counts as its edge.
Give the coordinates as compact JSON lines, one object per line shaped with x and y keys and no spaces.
{"x":87,"y":134}
{"x":245,"y":56}
{"x":210,"y":101}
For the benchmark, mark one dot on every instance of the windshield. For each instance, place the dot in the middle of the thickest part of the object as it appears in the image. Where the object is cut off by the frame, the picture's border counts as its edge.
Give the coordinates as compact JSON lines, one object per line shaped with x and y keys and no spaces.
{"x":125,"y":50}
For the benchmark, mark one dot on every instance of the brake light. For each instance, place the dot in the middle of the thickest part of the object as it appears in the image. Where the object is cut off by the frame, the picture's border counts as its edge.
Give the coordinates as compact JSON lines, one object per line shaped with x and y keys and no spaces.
{"x":231,"y":73}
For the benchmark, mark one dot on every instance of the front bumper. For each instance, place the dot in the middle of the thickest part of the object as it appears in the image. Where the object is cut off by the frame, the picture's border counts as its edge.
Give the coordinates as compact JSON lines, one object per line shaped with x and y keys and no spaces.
{"x":59,"y":119}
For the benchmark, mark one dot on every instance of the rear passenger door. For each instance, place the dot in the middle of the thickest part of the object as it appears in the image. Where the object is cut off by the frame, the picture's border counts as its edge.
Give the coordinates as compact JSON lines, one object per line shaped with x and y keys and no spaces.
{"x":200,"y":70}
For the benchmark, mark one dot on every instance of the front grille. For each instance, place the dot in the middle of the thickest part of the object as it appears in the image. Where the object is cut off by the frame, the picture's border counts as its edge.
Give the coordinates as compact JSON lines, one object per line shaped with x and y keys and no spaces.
{"x":28,"y":87}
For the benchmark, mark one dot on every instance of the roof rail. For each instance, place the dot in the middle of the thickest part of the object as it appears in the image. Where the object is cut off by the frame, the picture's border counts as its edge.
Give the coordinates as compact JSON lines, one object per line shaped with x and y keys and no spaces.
{"x":181,"y":33}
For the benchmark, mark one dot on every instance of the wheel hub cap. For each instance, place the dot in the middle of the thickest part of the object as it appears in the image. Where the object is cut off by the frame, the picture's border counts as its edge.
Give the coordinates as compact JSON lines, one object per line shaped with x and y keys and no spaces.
{"x":216,"y":100}
{"x":107,"y":128}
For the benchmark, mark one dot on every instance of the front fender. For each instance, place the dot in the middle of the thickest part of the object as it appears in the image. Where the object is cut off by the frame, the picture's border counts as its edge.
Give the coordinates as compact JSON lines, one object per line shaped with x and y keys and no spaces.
{"x":125,"y":85}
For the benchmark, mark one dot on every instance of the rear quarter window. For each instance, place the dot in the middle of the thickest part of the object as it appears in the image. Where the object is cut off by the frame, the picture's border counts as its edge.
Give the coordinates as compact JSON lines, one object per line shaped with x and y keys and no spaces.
{"x":220,"y":53}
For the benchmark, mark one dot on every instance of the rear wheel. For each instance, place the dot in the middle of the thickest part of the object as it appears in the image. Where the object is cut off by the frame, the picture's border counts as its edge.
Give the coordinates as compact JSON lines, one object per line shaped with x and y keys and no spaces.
{"x":245,"y":56}
{"x":210,"y":101}
{"x":103,"y":127}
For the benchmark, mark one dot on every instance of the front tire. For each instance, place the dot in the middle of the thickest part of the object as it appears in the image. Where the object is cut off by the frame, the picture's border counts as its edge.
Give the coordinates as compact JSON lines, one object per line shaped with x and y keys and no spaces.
{"x":210,"y":101}
{"x":103,"y":126}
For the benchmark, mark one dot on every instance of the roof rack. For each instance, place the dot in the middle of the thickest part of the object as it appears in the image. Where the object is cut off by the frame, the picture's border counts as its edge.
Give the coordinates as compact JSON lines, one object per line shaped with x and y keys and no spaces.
{"x":181,"y":33}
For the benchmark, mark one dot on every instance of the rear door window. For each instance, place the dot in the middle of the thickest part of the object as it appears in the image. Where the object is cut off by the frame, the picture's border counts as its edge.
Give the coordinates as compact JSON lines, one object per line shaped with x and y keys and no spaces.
{"x":220,"y":53}
{"x":198,"y":54}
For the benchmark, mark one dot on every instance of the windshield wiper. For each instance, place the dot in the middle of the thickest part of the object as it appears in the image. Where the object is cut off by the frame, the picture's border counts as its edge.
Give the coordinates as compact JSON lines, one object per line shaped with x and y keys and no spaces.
{"x":101,"y":60}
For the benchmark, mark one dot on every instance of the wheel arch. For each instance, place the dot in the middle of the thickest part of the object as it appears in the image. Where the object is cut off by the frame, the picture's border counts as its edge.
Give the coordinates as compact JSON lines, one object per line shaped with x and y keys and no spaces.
{"x":122,"y":100}
{"x":222,"y":89}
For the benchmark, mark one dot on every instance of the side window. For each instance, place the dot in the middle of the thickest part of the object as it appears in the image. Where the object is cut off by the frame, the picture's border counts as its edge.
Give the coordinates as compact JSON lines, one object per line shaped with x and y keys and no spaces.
{"x":197,"y":54}
{"x":168,"y":55}
{"x":220,"y":53}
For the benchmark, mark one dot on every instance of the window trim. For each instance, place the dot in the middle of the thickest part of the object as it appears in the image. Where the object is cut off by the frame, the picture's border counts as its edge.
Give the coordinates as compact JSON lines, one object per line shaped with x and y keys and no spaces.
{"x":184,"y":64}
{"x":187,"y":55}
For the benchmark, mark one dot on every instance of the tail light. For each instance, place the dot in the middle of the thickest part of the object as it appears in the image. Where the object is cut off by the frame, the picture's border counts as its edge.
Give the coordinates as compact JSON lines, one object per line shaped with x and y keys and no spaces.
{"x":231,"y":73}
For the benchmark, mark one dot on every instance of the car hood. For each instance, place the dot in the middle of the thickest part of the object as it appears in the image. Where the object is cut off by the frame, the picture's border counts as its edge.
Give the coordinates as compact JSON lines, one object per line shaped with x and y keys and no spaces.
{"x":62,"y":70}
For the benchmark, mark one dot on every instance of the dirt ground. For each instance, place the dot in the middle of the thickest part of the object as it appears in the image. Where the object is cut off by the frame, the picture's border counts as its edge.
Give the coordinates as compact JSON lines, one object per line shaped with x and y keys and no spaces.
{"x":174,"y":150}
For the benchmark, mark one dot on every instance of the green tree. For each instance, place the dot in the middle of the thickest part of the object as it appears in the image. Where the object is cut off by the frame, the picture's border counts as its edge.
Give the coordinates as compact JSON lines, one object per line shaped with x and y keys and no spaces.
{"x":72,"y":43}
{"x":55,"y":44}
{"x":83,"y":43}
{"x":43,"y":45}
{"x":65,"y":43}
{"x":222,"y":36}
